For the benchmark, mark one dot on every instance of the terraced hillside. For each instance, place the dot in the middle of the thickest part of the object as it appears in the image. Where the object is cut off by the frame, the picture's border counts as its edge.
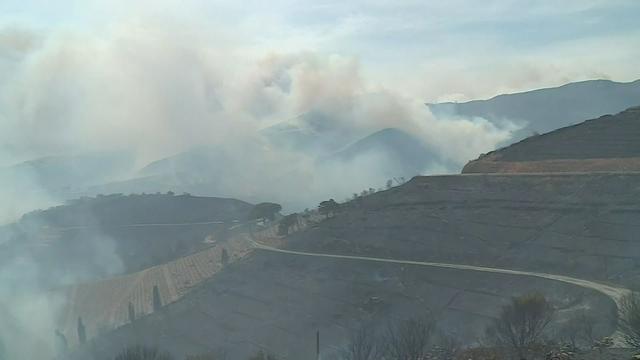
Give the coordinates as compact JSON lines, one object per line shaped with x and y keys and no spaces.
{"x":276,"y":302}
{"x":608,"y":143}
{"x":579,"y":224}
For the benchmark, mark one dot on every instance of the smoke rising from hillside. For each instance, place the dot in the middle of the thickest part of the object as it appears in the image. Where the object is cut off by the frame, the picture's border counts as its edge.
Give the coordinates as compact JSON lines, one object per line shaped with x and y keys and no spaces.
{"x":157,"y":91}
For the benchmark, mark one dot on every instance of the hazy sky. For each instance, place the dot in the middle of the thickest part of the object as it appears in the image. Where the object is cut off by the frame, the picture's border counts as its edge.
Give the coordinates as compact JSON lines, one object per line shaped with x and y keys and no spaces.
{"x":433,"y":50}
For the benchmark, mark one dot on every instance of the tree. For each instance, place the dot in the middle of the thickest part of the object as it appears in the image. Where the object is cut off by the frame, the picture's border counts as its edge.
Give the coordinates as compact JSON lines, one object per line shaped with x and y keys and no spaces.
{"x":157,"y":301}
{"x":629,"y":308}
{"x":224,"y":257}
{"x":142,"y":353}
{"x":286,"y":223}
{"x":363,"y":345}
{"x":522,"y":322}
{"x":82,"y":333}
{"x":132,"y":312}
{"x":409,"y":339}
{"x":265,"y":211}
{"x":328,"y":207}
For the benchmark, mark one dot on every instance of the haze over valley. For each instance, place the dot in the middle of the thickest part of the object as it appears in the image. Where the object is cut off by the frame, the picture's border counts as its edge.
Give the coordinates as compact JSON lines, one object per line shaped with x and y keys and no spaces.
{"x":335,"y":180}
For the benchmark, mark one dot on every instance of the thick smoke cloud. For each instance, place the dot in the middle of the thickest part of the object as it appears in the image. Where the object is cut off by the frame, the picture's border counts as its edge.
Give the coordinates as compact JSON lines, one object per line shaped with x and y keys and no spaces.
{"x":154,"y":91}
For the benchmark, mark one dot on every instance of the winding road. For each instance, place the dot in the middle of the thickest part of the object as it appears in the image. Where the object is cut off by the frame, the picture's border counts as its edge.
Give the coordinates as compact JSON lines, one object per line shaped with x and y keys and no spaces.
{"x":613,"y":292}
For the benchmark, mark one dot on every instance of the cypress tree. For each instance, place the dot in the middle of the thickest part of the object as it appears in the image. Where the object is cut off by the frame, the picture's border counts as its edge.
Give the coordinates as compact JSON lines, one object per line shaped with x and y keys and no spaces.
{"x":157,"y":301}
{"x":132,"y":312}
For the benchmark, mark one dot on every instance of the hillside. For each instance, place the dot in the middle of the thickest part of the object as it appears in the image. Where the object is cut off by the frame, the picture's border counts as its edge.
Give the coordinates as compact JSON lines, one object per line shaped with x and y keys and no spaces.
{"x":68,"y":173}
{"x":393,"y":152}
{"x":579,"y":225}
{"x":104,"y":236}
{"x":608,"y":143}
{"x":276,"y":302}
{"x":544,"y":110}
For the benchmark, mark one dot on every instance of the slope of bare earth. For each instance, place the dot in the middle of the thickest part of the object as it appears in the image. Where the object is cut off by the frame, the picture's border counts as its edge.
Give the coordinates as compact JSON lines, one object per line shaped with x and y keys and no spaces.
{"x":609,"y":143}
{"x":575,"y":224}
{"x":276,"y":302}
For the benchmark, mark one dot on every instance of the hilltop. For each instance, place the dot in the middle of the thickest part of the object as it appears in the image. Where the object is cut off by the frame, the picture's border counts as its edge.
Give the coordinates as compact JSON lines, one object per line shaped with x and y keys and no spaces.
{"x":93,"y":238}
{"x":608,"y":143}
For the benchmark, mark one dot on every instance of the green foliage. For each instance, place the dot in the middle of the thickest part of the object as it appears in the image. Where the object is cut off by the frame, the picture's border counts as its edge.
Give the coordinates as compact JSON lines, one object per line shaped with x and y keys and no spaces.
{"x":265,"y":211}
{"x":142,"y":353}
{"x":328,"y":207}
{"x":286,"y":223}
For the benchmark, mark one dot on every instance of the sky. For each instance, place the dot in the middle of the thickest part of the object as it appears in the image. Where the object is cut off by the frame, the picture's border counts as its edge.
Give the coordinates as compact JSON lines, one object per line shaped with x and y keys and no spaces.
{"x":158,"y":77}
{"x":431,"y":49}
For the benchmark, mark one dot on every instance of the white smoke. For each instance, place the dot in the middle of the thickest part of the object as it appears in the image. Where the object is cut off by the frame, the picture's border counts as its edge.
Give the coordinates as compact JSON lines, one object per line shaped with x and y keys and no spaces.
{"x":159,"y":90}
{"x":155,"y":91}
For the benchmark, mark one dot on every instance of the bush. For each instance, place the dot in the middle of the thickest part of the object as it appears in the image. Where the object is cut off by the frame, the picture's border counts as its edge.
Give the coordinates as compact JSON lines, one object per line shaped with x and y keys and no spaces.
{"x":521,"y":323}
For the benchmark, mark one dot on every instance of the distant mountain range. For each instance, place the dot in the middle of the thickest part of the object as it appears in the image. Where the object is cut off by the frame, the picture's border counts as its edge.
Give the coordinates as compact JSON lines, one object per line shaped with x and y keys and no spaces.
{"x":333,"y":144}
{"x":543,"y":110}
{"x":66,"y":173}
